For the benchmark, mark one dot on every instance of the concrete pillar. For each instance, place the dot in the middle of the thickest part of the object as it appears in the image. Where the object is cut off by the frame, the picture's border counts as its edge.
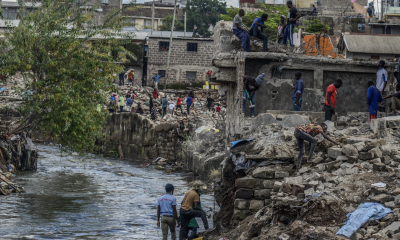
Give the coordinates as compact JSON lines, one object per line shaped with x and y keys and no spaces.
{"x":318,"y":78}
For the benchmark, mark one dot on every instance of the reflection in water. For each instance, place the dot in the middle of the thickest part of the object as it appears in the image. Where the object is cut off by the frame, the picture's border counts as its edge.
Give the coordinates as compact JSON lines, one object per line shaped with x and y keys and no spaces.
{"x":88,"y":198}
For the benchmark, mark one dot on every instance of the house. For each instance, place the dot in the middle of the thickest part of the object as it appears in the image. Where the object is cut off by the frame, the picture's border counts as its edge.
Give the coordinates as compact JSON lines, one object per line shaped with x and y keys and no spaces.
{"x":140,"y":17}
{"x":191,"y":59}
{"x":367,"y":46}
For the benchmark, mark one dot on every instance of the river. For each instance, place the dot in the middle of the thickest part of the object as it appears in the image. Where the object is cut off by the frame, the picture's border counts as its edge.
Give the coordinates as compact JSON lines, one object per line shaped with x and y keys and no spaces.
{"x":70,"y":197}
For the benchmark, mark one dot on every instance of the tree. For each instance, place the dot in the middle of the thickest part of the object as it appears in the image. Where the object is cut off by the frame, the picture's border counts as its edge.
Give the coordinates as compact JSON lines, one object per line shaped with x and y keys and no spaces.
{"x":67,"y":64}
{"x":167,"y":22}
{"x":274,"y":17}
{"x":203,"y":13}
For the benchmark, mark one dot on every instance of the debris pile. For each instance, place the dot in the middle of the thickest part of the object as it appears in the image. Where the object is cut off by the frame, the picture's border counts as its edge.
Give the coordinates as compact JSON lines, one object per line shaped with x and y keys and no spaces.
{"x":270,"y":201}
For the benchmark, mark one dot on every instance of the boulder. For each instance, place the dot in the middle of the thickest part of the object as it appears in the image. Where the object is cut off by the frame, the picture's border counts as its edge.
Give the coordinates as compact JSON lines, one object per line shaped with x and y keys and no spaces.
{"x":244,"y":193}
{"x":263,"y":119}
{"x":269,"y":184}
{"x":330,"y":125}
{"x":349,"y":150}
{"x":366,"y":156}
{"x":334,"y":152}
{"x":295,"y":120}
{"x":277,"y":186}
{"x":379,"y":167}
{"x":377,"y":152}
{"x":247,"y":182}
{"x":262,"y":194}
{"x":381,"y":198}
{"x":281,"y":174}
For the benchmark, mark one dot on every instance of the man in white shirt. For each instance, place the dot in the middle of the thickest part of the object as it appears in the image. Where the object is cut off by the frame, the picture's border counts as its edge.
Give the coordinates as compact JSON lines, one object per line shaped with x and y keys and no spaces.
{"x":381,"y":84}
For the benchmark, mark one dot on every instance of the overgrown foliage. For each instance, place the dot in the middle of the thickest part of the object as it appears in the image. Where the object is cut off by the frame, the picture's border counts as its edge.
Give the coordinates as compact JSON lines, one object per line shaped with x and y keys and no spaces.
{"x":167,"y":24}
{"x":203,"y":13}
{"x":67,"y":63}
{"x":315,"y":26}
{"x":274,"y":17}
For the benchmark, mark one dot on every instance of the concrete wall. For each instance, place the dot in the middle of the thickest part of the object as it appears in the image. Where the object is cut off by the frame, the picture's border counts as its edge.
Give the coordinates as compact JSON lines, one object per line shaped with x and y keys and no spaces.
{"x":181,"y":60}
{"x":368,"y":55}
{"x":139,"y":137}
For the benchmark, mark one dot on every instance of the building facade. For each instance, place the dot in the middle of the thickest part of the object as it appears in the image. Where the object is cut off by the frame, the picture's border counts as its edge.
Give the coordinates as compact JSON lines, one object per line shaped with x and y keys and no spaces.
{"x":191,"y":59}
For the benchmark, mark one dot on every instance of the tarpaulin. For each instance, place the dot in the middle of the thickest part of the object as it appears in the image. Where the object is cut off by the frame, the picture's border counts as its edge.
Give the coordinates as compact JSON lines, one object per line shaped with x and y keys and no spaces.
{"x":2,"y":89}
{"x":240,"y":141}
{"x":240,"y":163}
{"x":365,"y":212}
{"x":360,"y":9}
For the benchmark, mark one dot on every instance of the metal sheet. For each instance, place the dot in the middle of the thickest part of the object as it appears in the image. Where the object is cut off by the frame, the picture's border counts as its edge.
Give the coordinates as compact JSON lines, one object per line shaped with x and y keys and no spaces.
{"x":373,"y":43}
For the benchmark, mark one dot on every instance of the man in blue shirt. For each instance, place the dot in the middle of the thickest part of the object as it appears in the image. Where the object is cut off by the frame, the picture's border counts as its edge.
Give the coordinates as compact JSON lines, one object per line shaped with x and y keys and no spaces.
{"x":156,"y":80}
{"x":189,"y":102}
{"x":257,"y":30}
{"x":167,"y":210}
{"x":374,"y":97}
{"x":297,"y":96}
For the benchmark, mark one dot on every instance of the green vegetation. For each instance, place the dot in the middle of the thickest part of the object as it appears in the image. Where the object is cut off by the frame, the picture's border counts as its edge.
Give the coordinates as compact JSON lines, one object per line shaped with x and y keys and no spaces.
{"x":274,"y":18}
{"x":67,"y":63}
{"x":203,"y":13}
{"x":315,"y":26}
{"x":167,"y":22}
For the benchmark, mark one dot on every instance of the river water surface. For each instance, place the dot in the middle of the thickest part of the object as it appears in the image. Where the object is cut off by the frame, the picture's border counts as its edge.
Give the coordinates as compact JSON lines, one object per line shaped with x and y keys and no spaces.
{"x":70,"y":197}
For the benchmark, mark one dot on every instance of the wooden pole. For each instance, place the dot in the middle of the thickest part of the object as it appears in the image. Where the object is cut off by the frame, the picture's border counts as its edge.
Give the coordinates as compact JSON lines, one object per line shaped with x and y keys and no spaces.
{"x":152,"y":18}
{"x":185,"y":26}
{"x":170,"y":47}
{"x":381,"y":15}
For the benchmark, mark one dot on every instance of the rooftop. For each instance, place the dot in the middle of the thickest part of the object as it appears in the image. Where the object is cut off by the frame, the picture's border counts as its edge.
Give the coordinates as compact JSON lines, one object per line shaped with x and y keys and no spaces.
{"x":364,"y":43}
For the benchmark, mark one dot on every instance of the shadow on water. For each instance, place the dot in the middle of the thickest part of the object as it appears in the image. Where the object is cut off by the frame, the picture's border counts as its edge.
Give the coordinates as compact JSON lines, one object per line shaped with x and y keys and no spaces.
{"x":70,"y":197}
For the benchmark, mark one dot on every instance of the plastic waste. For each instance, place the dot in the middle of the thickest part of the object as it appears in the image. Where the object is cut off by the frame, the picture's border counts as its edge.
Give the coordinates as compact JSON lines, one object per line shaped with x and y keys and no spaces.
{"x":380,"y":184}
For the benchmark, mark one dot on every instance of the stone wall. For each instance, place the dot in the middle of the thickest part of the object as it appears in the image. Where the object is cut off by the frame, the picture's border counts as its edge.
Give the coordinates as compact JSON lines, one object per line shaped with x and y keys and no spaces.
{"x":339,"y":24}
{"x":182,"y":60}
{"x":140,"y":138}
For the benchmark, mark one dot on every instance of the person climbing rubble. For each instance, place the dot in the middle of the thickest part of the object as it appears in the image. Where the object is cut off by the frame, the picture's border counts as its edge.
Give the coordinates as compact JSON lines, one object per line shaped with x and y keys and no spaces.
{"x":250,"y":86}
{"x":167,"y":211}
{"x":190,"y":209}
{"x":179,"y":103}
{"x":257,"y":30}
{"x":374,"y":97}
{"x":240,"y":32}
{"x":209,"y":102}
{"x":189,"y":102}
{"x":307,"y":132}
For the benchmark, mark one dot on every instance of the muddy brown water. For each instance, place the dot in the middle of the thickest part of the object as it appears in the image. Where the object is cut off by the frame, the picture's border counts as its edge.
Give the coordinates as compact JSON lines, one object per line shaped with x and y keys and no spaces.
{"x":70,"y":197}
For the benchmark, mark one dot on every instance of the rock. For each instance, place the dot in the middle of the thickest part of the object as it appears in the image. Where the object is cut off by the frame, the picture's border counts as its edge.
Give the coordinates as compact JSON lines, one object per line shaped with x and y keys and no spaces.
{"x":309,"y":191}
{"x":397,"y":171}
{"x":330,"y":125}
{"x":386,"y":160}
{"x":386,"y":150}
{"x":263,"y":119}
{"x":287,"y":136}
{"x":241,"y":214}
{"x":349,"y":150}
{"x":366,"y":155}
{"x":269,"y":184}
{"x":388,"y":218}
{"x":390,"y":204}
{"x":295,"y":120}
{"x":247,"y":183}
{"x":281,"y":174}
{"x":318,"y":160}
{"x":300,"y":196}
{"x":376,"y":160}
{"x":381,"y":198}
{"x":311,"y":184}
{"x":396,"y":191}
{"x":303,"y":170}
{"x":360,"y":146}
{"x":262,"y":194}
{"x":366,"y":165}
{"x":377,"y":152}
{"x":397,"y":200}
{"x":379,"y":167}
{"x":334,"y":152}
{"x":244,"y":193}
{"x":396,"y":158}
{"x":395,"y":226}
{"x":294,"y":180}
{"x":342,"y":158}
{"x":242,"y":204}
{"x":265,"y":173}
{"x":277,"y":186}
{"x":256,"y":204}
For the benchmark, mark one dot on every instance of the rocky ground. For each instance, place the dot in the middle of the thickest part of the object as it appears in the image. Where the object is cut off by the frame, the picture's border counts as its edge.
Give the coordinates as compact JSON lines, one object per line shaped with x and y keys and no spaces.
{"x":265,"y":199}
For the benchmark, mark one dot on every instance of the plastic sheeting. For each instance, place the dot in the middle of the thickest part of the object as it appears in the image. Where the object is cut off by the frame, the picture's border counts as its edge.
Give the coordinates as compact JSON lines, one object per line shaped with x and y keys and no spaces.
{"x":240,"y":141}
{"x":240,"y":163}
{"x":365,"y":212}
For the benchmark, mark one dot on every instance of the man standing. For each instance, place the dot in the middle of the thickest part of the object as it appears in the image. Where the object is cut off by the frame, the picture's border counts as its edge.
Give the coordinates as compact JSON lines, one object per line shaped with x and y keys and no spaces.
{"x":257,"y":29}
{"x":250,"y":86}
{"x":381,"y":83}
{"x":209,"y":102}
{"x":151,"y":103}
{"x":131,"y":75}
{"x":297,"y":96}
{"x":179,"y":103}
{"x":129,"y":103}
{"x":307,"y":132}
{"x":239,"y":31}
{"x":189,"y":102}
{"x":281,"y":29}
{"x":374,"y":97}
{"x":156,"y":79}
{"x":121,"y":103}
{"x":395,"y":100}
{"x":164,"y":105}
{"x":190,"y":209}
{"x":167,"y":210}
{"x":330,"y":102}
{"x":293,"y":16}
{"x":121,"y":78}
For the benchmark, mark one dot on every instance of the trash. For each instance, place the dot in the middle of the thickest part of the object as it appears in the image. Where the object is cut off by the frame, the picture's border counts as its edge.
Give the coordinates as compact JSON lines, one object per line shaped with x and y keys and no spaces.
{"x":9,"y":168}
{"x":365,"y":212}
{"x":309,"y":197}
{"x":380,"y":184}
{"x":284,"y":236}
{"x":240,"y":141}
{"x":267,"y":163}
{"x":204,"y":129}
{"x":240,"y":163}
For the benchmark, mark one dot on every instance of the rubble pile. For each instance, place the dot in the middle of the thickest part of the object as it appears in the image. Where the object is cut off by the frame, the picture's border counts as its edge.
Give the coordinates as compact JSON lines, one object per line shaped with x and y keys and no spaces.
{"x":270,"y":201}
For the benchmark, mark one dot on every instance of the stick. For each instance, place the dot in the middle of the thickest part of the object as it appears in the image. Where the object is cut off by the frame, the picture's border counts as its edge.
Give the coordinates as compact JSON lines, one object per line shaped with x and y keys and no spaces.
{"x":2,"y":191}
{"x":9,"y":183}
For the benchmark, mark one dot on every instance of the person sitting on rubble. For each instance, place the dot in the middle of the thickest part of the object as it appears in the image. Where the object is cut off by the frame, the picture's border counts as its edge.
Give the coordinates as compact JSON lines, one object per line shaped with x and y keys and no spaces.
{"x":374,"y":97}
{"x":395,"y":101}
{"x":139,"y":109}
{"x":155,"y":93}
{"x":154,"y":112}
{"x":314,"y":12}
{"x":250,"y":86}
{"x":257,"y":30}
{"x":307,"y":132}
{"x":240,"y":32}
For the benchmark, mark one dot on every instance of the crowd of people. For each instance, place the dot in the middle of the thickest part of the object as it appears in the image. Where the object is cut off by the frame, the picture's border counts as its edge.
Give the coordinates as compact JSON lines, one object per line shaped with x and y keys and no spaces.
{"x":167,"y":214}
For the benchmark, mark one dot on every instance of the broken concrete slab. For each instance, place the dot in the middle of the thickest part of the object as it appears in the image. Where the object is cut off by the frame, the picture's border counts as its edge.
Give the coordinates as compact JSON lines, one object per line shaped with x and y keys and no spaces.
{"x":334,"y":152}
{"x":262,"y":119}
{"x":295,"y":120}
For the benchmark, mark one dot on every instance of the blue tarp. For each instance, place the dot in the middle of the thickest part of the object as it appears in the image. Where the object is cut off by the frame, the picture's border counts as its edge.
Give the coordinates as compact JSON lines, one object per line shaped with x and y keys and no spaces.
{"x":240,"y":141}
{"x":2,"y":89}
{"x":366,"y":211}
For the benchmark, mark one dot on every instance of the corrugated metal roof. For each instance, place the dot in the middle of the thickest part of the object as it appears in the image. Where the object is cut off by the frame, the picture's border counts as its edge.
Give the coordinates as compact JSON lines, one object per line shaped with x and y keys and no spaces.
{"x":372,"y":44}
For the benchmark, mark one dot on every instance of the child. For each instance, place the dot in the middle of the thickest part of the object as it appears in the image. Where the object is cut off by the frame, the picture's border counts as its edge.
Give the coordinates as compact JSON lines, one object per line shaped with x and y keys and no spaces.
{"x":155,"y":93}
{"x":154,"y":112}
{"x":171,"y":108}
{"x":218,"y":109}
{"x":179,"y":103}
{"x":209,"y":102}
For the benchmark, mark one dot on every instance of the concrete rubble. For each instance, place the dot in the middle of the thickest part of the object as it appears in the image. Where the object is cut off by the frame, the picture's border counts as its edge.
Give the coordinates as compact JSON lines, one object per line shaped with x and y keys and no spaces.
{"x":269,"y":200}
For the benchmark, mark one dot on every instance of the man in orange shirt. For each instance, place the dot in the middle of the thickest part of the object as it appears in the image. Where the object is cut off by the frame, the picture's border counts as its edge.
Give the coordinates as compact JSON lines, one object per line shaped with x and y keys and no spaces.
{"x":330,"y":103}
{"x":131,"y":74}
{"x":187,"y":212}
